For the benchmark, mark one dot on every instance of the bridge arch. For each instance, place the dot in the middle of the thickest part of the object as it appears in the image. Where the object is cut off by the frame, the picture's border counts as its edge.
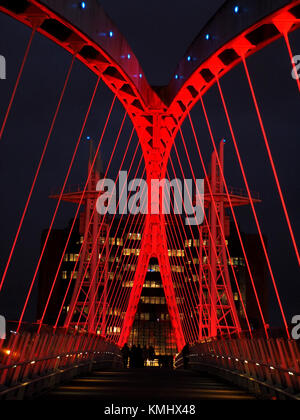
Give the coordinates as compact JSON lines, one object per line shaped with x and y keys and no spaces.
{"x":157,"y":116}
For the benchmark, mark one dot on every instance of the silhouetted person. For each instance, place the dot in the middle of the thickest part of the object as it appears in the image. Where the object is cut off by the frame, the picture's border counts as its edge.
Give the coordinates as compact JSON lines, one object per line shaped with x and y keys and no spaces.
{"x":145,"y":354}
{"x":125,"y":354}
{"x":185,"y":355}
{"x":133,"y":357}
{"x":151,"y":353}
{"x":140,"y":358}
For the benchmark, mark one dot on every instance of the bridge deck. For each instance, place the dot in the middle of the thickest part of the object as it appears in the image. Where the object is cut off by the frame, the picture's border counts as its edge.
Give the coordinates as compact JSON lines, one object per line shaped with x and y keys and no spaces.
{"x":147,"y":385}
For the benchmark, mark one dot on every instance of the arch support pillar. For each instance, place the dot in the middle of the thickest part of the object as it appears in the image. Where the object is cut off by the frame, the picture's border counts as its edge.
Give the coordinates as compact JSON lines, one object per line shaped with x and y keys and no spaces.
{"x":154,"y":242}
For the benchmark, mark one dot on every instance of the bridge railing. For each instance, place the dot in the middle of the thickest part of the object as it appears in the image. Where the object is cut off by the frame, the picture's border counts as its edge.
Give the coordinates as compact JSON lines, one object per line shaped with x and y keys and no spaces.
{"x":268,"y":366}
{"x":28,"y":356}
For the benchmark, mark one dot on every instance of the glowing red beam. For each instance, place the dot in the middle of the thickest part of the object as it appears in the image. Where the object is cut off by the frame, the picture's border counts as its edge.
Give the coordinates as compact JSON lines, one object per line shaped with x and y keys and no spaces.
{"x":264,"y":133}
{"x":253,"y":209}
{"x":60,"y":198}
{"x":36,"y":174}
{"x":17,"y":84}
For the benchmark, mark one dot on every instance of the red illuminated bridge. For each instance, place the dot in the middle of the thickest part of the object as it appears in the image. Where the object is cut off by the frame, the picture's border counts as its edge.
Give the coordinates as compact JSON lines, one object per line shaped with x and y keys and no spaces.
{"x":196,"y":294}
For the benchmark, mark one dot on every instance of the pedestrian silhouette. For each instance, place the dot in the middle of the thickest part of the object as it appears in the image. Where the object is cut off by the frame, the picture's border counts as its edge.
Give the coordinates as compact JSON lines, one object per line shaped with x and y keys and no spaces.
{"x":151,"y":353}
{"x":125,"y":354}
{"x":133,"y":357}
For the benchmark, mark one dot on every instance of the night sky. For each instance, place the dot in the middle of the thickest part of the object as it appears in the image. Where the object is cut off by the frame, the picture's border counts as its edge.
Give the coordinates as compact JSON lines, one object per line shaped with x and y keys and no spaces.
{"x":159,"y":33}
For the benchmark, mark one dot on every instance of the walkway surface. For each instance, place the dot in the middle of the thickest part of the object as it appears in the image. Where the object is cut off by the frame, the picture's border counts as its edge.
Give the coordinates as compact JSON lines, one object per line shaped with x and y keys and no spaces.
{"x":156,"y":385}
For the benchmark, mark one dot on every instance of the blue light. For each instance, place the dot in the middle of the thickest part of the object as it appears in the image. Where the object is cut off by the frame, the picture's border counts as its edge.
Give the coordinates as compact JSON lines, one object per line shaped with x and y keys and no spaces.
{"x":129,"y":56}
{"x":176,"y":76}
{"x":236,"y":9}
{"x":207,"y":37}
{"x":189,"y":58}
{"x":88,"y":137}
{"x":111,"y":34}
{"x":83,"y":5}
{"x":140,"y":75}
{"x":224,"y":141}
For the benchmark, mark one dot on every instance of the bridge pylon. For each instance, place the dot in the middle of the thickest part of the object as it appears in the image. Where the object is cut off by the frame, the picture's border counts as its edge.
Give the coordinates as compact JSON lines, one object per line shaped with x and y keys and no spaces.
{"x":90,"y":283}
{"x":217,"y":308}
{"x":156,"y":150}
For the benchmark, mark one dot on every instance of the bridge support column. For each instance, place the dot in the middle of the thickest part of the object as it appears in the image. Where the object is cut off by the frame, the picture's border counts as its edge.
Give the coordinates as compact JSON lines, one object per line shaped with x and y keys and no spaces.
{"x":154,"y":242}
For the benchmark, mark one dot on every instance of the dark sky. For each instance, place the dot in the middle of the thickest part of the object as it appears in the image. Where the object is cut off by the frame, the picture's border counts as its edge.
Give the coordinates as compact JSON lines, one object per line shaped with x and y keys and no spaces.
{"x":159,"y":33}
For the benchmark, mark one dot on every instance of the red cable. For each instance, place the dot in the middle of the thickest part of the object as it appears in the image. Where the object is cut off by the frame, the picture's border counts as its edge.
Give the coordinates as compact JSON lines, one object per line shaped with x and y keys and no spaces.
{"x":114,"y":294}
{"x":287,"y":41}
{"x":231,"y":207}
{"x":125,"y":293}
{"x":272,"y":160}
{"x":81,"y":248}
{"x":253,"y":209}
{"x":186,"y":303}
{"x":191,"y":255}
{"x":61,"y":194}
{"x":33,"y":185}
{"x":221,"y":229}
{"x":210,"y":234}
{"x":189,"y":295}
{"x":186,"y":238}
{"x":17,"y":84}
{"x":200,"y":257}
{"x":118,"y":227}
{"x":77,"y":212}
{"x":92,"y":215}
{"x":217,"y":216}
{"x":232,"y":210}
{"x":93,"y":278}
{"x":90,"y":221}
{"x":94,"y":247}
{"x":113,"y":300}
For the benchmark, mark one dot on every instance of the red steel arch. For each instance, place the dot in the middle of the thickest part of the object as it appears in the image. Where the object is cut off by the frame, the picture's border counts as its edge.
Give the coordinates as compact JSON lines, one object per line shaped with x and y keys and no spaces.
{"x":157,"y":117}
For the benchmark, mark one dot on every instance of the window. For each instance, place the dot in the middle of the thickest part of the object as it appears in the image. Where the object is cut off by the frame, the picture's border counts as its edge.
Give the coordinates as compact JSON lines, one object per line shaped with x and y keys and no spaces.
{"x":188,"y":243}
